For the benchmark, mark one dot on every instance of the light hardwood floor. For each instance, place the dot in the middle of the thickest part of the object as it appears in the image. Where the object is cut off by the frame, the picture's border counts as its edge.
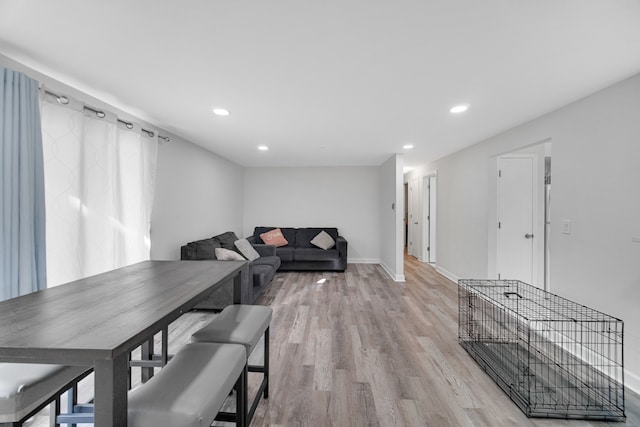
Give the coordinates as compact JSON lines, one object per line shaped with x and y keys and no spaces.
{"x":362,"y":350}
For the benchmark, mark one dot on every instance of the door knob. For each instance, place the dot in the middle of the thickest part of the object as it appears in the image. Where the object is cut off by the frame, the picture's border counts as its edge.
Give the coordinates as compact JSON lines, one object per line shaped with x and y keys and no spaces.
{"x":528,"y":236}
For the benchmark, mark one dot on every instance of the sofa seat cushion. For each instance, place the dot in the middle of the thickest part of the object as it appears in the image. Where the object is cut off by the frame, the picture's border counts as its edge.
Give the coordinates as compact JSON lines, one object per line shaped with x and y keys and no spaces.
{"x":285,"y":253}
{"x":315,"y":254}
{"x":272,"y":261}
{"x":306,"y":235}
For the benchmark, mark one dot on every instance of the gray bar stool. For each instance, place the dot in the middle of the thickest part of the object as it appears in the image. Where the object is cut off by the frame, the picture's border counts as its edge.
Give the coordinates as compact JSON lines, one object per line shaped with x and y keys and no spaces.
{"x":191,"y":389}
{"x":27,"y":388}
{"x":242,"y":324}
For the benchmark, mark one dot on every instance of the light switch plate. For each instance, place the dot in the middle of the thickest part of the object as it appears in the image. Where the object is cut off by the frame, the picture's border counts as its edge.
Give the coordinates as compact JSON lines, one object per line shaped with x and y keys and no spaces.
{"x":567,"y":226}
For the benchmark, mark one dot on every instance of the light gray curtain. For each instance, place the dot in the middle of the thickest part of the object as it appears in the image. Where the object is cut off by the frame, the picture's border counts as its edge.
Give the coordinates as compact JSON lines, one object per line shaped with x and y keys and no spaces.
{"x":22,"y":210}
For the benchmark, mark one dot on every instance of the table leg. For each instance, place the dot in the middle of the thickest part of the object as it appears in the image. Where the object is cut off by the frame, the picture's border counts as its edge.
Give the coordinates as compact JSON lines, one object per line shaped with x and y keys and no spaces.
{"x":111,"y":391}
{"x":237,"y":286}
{"x":164,"y":356}
{"x":147,"y":350}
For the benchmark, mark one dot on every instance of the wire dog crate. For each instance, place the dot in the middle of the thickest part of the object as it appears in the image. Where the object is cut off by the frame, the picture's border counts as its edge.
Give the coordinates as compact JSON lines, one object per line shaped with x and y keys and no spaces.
{"x":553,"y":357}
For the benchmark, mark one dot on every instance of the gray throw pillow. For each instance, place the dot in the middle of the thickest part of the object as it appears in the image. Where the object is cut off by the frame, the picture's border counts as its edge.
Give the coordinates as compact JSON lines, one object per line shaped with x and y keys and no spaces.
{"x":228,"y":255}
{"x":246,"y":249}
{"x":323,"y":241}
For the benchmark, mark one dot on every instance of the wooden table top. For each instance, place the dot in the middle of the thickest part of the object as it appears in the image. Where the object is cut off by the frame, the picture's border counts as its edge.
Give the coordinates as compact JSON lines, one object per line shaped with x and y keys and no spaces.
{"x":103,"y":316}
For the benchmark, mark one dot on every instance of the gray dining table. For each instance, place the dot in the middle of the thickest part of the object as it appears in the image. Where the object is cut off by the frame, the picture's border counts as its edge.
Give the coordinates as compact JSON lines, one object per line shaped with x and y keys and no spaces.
{"x":99,"y":320}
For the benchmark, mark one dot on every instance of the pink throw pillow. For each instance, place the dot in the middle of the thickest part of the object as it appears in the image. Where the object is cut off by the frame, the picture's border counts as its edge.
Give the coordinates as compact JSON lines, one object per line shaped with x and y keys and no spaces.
{"x":274,"y":237}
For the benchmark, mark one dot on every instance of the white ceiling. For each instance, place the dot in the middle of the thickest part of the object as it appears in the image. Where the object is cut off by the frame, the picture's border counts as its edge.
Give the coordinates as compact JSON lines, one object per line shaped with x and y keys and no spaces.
{"x":329,"y":83}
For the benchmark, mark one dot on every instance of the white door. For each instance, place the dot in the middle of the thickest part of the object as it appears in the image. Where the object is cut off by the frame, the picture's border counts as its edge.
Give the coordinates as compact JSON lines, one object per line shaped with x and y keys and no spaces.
{"x":515,"y":218}
{"x":415,"y":232}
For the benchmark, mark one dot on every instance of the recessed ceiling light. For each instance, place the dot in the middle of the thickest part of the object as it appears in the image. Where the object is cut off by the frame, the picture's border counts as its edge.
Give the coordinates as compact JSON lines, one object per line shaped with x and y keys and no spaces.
{"x":263,"y":147}
{"x":459,"y":109}
{"x":220,"y":112}
{"x":407,"y":146}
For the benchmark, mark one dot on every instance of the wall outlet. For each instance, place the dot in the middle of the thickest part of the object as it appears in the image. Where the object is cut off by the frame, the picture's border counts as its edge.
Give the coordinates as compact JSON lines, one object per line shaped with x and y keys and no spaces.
{"x":567,"y":226}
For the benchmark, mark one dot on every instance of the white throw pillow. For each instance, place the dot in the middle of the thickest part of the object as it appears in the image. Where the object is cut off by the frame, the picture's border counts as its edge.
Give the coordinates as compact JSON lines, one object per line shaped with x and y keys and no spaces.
{"x":246,"y":249}
{"x":228,"y":255}
{"x":323,"y":241}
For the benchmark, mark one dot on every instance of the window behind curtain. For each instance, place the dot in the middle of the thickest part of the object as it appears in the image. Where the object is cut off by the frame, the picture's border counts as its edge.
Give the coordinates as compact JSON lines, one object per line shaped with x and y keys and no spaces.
{"x":99,"y":181}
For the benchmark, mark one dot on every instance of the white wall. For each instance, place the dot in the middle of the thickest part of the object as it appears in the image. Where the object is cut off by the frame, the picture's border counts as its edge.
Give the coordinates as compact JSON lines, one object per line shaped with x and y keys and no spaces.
{"x":198,"y":195}
{"x":461,"y":216}
{"x":595,"y":179}
{"x":596,"y":184}
{"x":391,"y":206}
{"x":342,"y":197}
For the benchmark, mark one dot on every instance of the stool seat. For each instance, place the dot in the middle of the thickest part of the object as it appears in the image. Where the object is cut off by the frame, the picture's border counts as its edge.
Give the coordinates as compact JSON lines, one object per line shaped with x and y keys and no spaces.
{"x":242,"y":324}
{"x":190,"y":390}
{"x":24,"y":387}
{"x":237,"y":324}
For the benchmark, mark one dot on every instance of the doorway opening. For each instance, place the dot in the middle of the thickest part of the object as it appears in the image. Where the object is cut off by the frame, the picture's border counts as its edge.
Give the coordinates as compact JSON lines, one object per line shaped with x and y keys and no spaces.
{"x":406,"y":216}
{"x":420,"y":222}
{"x":547,"y":217}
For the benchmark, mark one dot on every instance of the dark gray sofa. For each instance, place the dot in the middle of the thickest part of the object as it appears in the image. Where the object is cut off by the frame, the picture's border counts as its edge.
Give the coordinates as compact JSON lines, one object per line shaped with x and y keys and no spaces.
{"x":300,"y":255}
{"x":258,"y":276}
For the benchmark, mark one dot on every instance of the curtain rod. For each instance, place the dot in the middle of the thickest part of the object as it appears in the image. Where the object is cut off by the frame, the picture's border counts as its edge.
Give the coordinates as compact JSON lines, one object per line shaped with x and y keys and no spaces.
{"x":101,"y":114}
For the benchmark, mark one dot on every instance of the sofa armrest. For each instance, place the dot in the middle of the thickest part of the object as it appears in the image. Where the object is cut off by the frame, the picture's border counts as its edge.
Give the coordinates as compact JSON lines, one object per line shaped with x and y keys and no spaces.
{"x":185,"y":252}
{"x":264,"y":250}
{"x":341,"y":245}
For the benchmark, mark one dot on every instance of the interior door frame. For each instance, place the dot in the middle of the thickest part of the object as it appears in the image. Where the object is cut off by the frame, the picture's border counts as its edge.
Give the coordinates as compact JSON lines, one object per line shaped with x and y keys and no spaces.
{"x":535,"y":215}
{"x":429,"y":216}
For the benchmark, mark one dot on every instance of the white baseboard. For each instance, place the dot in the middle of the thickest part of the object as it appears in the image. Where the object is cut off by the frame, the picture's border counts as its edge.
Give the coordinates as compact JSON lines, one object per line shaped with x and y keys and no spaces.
{"x":632,"y":381}
{"x":449,"y":275}
{"x":395,"y":277}
{"x":363,"y":261}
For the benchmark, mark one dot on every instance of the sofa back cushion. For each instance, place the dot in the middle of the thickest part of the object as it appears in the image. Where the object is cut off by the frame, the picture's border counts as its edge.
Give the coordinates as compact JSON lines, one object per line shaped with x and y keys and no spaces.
{"x":305,"y":235}
{"x":227,"y":240}
{"x":199,"y":250}
{"x":288,"y":233}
